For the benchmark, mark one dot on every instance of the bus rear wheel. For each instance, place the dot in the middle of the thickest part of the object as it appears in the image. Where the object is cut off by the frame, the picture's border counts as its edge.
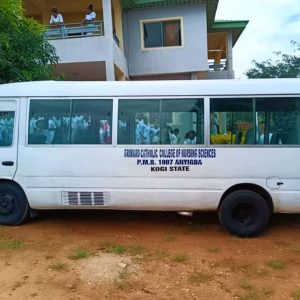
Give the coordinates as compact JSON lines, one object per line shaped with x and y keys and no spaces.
{"x":244,"y":213}
{"x":14,"y":206}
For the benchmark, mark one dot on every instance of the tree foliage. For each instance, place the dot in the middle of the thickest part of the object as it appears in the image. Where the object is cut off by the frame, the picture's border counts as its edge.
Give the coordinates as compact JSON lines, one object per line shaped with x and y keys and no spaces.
{"x":284,"y":66}
{"x":25,"y":54}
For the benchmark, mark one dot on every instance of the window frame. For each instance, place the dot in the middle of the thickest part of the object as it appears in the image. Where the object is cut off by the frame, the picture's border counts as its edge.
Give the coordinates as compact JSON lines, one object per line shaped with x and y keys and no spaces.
{"x":144,"y":21}
{"x":113,"y":133}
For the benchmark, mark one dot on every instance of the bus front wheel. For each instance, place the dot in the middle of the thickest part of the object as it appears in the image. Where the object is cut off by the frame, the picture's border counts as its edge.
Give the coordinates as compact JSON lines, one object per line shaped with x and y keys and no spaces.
{"x":14,"y":206}
{"x":244,"y":213}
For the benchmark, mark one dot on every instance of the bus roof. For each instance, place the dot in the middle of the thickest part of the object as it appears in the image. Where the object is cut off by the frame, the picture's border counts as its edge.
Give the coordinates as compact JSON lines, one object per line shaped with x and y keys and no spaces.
{"x":151,"y":88}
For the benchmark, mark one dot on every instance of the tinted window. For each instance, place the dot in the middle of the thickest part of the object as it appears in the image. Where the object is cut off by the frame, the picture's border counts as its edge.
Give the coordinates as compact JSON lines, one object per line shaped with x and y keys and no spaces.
{"x":7,"y":120}
{"x":166,"y":121}
{"x":255,"y":121}
{"x":278,"y":120}
{"x":231,"y":121}
{"x":70,"y":122}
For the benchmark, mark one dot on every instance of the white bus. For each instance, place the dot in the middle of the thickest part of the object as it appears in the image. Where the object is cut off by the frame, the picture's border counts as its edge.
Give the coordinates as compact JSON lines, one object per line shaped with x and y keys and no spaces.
{"x":230,"y":146}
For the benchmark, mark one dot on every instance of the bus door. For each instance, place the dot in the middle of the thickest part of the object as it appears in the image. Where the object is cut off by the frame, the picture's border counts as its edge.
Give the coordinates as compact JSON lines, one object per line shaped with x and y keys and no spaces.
{"x":8,"y":138}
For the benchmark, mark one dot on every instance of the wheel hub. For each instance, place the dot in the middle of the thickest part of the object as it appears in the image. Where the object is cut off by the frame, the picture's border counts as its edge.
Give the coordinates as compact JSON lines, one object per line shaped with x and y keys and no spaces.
{"x":244,"y":214}
{"x":7,"y":204}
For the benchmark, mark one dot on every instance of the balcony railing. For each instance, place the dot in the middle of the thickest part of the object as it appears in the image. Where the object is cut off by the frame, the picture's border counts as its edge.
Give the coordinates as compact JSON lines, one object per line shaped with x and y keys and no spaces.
{"x":213,"y":66}
{"x":74,"y":30}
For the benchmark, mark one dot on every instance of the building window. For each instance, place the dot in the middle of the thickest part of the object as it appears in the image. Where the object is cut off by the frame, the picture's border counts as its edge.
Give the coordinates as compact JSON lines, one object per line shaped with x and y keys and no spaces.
{"x":162,"y":33}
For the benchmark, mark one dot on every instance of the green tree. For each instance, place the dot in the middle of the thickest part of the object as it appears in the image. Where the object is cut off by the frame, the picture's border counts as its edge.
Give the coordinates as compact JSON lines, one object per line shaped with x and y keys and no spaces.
{"x":284,"y":66}
{"x":25,"y":54}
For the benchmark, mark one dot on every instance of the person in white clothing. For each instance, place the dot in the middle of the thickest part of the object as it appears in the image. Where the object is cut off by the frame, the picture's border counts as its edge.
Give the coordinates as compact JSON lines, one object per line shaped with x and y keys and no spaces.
{"x":90,"y":16}
{"x":56,"y":18}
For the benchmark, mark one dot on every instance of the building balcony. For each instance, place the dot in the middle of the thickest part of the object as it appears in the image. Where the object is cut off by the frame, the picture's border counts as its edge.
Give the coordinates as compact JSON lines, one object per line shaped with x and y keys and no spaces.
{"x":91,"y":51}
{"x":74,"y":30}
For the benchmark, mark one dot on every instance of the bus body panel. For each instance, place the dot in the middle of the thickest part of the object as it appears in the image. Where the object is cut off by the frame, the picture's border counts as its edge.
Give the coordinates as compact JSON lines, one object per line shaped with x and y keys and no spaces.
{"x":128,"y":184}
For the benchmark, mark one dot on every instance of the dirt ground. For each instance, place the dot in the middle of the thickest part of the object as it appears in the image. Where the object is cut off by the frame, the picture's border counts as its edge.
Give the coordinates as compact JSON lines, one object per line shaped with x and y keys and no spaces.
{"x":146,"y":255}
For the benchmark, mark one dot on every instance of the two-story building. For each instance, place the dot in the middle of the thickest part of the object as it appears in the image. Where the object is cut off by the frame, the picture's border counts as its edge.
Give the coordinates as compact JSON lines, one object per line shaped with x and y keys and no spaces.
{"x":140,"y":39}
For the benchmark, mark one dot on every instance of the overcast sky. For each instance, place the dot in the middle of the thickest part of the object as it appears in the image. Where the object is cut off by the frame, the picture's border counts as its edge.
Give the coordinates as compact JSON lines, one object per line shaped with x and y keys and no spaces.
{"x":272,"y":25}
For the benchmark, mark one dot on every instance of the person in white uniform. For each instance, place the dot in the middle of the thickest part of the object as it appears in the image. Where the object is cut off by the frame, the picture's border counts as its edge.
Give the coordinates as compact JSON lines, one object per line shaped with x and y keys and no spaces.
{"x":90,"y":16}
{"x":56,"y":18}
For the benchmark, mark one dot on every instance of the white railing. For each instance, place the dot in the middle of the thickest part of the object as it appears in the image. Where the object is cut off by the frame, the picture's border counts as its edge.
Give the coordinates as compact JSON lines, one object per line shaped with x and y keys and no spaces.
{"x":74,"y":30}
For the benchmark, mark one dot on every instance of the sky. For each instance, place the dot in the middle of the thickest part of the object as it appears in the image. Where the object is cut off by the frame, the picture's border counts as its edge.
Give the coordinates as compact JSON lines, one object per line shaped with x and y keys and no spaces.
{"x":272,"y":25}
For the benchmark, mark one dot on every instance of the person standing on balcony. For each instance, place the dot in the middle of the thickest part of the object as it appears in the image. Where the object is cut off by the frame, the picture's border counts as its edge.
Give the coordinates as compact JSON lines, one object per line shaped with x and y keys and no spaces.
{"x":56,"y":17}
{"x":90,"y":16}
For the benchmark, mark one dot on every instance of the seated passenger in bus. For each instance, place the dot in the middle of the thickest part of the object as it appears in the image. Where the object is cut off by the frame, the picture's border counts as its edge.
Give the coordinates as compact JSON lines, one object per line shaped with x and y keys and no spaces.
{"x":50,"y":131}
{"x":138,"y":126}
{"x":190,"y":138}
{"x":145,"y":130}
{"x":174,"y":138}
{"x":261,"y":137}
{"x":155,"y":133}
{"x":8,"y":130}
{"x":104,"y":132}
{"x":214,"y":124}
{"x":76,"y":126}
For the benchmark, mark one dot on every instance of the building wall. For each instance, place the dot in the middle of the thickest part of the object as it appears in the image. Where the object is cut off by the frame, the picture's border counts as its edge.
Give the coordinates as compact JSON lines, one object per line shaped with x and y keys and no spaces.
{"x":192,"y":57}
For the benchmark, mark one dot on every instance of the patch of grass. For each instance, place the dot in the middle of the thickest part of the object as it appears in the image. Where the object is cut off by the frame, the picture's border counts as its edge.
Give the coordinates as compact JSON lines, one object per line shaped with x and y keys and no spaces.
{"x":117,"y":249}
{"x":250,"y":295}
{"x":200,"y":277}
{"x":296,"y":295}
{"x":11,"y":244}
{"x":57,"y":267}
{"x":113,"y":248}
{"x":246,"y":285}
{"x":276,"y":264}
{"x":180,"y":258}
{"x":80,"y":254}
{"x":136,"y":250}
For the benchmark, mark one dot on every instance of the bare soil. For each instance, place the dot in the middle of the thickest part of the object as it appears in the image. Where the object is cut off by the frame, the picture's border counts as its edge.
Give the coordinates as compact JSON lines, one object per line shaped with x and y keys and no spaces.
{"x":146,"y":255}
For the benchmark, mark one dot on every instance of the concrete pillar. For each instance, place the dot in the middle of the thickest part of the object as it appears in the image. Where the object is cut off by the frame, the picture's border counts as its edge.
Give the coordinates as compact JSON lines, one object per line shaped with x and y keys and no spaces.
{"x":229,"y":55}
{"x":108,"y":33}
{"x":107,"y":18}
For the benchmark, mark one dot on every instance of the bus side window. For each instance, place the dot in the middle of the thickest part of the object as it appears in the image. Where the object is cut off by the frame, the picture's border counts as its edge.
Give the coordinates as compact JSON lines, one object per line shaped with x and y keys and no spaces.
{"x":138,"y":122}
{"x":49,"y":122}
{"x":232,"y":121}
{"x":7,"y":120}
{"x":282,"y":122}
{"x":161,"y":121}
{"x":86,"y":121}
{"x":91,"y":121}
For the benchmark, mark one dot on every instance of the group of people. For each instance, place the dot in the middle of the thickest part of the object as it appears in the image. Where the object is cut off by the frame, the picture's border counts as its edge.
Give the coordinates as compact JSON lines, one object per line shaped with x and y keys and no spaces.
{"x":147,"y":134}
{"x":63,"y":129}
{"x":6,"y":128}
{"x":57,"y":18}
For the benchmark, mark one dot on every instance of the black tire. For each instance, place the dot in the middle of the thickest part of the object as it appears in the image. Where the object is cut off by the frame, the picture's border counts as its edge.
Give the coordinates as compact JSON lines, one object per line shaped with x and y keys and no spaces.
{"x":14,"y":206}
{"x":244,"y":213}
